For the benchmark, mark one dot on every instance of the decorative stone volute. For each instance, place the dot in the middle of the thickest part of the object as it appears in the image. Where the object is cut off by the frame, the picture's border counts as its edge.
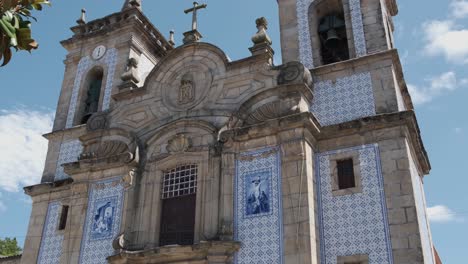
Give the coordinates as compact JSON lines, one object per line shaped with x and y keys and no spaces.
{"x":97,"y":121}
{"x":262,"y":42}
{"x":294,"y":73}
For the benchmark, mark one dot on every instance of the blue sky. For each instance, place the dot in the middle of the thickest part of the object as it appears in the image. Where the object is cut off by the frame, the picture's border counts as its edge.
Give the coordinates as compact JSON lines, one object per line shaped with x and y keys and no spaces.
{"x":432,"y":38}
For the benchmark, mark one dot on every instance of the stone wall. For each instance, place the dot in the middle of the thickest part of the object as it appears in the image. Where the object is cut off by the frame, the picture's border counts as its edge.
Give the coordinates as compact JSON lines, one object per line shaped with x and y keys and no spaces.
{"x":10,"y":260}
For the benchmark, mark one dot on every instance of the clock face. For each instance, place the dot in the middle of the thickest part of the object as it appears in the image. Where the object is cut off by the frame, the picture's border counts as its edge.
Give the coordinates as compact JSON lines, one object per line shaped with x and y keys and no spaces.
{"x":99,"y":52}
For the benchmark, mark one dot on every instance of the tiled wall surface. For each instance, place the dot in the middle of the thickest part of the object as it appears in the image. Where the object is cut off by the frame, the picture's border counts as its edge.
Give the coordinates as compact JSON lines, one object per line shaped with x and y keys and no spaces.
{"x":305,"y":44}
{"x":103,"y":219}
{"x":69,"y":152}
{"x":52,"y":241}
{"x":347,"y":99}
{"x":86,"y":63}
{"x":355,"y":224}
{"x":258,"y":208}
{"x":420,"y":201}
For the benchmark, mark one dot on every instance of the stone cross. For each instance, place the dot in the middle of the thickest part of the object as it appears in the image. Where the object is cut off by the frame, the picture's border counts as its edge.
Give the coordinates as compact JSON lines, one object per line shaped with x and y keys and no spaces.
{"x":194,"y":9}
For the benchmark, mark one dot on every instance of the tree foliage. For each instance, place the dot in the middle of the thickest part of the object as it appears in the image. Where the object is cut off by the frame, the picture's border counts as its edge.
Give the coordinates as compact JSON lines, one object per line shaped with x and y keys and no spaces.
{"x":15,"y":26}
{"x":9,"y":247}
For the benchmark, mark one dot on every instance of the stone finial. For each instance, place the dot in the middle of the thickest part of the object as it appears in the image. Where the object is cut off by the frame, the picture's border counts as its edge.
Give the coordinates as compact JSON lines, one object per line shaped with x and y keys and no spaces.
{"x":131,"y":4}
{"x":171,"y":38}
{"x":262,"y":42}
{"x":82,"y":19}
{"x":130,"y":76}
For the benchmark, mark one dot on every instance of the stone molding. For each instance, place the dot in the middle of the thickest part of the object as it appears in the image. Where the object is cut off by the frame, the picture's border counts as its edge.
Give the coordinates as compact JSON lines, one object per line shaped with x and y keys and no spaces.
{"x":208,"y":251}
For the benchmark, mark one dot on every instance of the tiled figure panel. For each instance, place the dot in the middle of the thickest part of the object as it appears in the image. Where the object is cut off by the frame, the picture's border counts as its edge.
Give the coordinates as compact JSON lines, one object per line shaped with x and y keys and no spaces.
{"x":305,"y":44}
{"x":257,"y":207}
{"x":86,"y":63}
{"x":69,"y":152}
{"x":103,"y":219}
{"x":420,"y":201}
{"x":355,"y":224}
{"x":347,"y":99}
{"x":51,"y":244}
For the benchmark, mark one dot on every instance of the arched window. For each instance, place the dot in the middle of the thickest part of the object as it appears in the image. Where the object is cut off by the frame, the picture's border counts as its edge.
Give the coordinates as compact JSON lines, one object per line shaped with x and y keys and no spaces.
{"x":91,"y":96}
{"x":331,"y":33}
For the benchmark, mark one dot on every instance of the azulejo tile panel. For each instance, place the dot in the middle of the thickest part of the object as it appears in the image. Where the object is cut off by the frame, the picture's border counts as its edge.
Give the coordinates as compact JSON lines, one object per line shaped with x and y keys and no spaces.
{"x":305,"y":44}
{"x":358,"y":28}
{"x":354,"y":224}
{"x":103,"y":220}
{"x":69,"y":152}
{"x":257,"y":207}
{"x":348,"y":99}
{"x":420,"y":201}
{"x":52,"y":241}
{"x":86,"y":63}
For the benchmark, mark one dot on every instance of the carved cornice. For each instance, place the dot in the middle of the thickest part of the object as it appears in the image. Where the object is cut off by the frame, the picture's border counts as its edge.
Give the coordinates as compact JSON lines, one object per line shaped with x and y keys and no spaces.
{"x":210,"y":251}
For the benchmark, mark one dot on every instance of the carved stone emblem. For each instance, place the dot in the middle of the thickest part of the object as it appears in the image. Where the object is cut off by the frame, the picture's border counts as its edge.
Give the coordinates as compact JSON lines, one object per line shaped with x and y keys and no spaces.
{"x":186,"y":90}
{"x":178,"y":144}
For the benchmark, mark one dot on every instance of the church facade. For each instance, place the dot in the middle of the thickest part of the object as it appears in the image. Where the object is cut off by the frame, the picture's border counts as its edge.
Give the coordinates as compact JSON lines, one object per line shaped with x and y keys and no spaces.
{"x":176,"y":154}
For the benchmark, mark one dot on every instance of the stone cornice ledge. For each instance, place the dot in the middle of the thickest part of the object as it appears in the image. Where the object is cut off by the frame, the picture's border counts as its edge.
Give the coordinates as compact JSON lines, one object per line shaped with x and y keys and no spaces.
{"x":47,"y":187}
{"x":406,"y":118}
{"x":213,"y":251}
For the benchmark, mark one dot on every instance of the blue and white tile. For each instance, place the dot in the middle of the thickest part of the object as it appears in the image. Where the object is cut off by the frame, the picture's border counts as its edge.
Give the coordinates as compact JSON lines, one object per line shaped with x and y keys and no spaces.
{"x":347,"y":99}
{"x":50,"y":250}
{"x":69,"y":152}
{"x":103,"y":221}
{"x":86,"y":63}
{"x":354,"y":224}
{"x":358,"y":28}
{"x":258,"y":208}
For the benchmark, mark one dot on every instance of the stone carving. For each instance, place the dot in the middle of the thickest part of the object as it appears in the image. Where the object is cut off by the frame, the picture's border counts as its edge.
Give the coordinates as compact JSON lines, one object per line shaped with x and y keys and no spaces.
{"x":178,"y":144}
{"x":226,"y":231}
{"x":273,"y":110}
{"x":186,"y":89}
{"x":130,"y":77}
{"x":97,"y":121}
{"x":120,"y":242}
{"x":117,"y":151}
{"x":294,"y":72}
{"x":129,"y":179}
{"x":262,"y":42}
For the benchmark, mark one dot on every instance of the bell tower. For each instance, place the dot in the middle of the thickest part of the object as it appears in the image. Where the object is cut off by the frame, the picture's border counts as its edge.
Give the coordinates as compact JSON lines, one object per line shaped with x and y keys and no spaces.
{"x":359,"y":86}
{"x":108,"y":59}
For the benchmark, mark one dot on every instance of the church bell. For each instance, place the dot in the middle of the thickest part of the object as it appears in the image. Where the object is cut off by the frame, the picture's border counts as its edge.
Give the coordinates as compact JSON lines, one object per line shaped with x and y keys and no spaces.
{"x":328,"y":27}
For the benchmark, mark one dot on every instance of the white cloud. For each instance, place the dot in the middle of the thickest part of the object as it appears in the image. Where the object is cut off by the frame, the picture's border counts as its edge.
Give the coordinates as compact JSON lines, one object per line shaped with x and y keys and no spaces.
{"x":442,"y":214}
{"x":459,"y":8}
{"x":23,"y":149}
{"x":2,"y":205}
{"x":445,"y":38}
{"x":435,"y":86}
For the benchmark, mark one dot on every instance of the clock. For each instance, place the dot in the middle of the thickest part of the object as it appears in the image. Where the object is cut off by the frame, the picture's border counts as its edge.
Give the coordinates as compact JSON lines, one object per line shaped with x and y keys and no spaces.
{"x":99,"y":52}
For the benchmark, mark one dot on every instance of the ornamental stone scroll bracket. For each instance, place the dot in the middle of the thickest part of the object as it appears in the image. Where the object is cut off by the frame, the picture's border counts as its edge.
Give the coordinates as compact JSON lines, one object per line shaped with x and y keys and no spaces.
{"x":98,"y":121}
{"x":294,"y":73}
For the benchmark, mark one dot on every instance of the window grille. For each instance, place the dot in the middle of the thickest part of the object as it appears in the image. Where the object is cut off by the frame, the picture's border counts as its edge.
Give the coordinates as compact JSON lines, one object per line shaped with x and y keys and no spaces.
{"x":180,"y":181}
